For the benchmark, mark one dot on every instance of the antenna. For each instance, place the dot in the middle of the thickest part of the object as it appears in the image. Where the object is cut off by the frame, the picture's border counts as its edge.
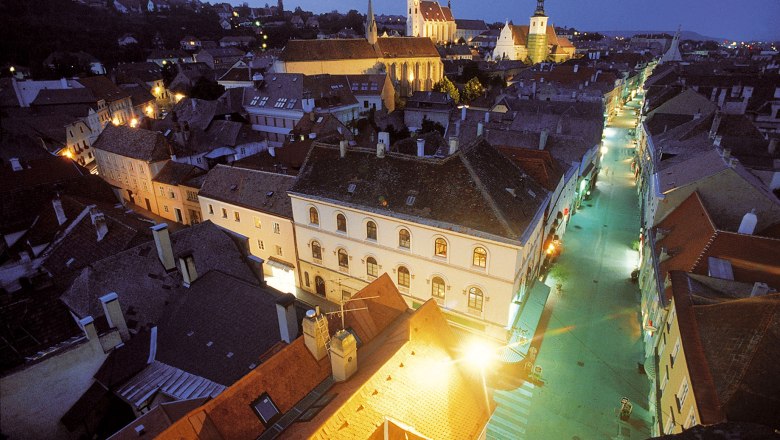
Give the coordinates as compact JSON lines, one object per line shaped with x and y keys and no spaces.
{"x":343,"y":311}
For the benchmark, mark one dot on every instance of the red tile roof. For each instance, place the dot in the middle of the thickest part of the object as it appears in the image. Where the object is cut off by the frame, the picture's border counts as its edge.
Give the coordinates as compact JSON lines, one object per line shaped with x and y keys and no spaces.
{"x":432,"y":11}
{"x":539,"y":164}
{"x":752,"y":258}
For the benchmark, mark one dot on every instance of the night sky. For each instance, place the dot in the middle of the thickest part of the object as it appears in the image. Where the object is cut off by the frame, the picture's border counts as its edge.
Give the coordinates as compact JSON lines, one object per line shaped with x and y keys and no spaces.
{"x":740,"y":20}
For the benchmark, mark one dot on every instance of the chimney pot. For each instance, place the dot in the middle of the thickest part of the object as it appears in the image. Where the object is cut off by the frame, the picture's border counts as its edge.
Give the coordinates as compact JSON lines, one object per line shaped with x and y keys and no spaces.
{"x":343,"y":148}
{"x":420,"y":147}
{"x":288,"y":321}
{"x":162,"y":241}
{"x":187,"y":268}
{"x":313,"y":337}
{"x":114,"y":314}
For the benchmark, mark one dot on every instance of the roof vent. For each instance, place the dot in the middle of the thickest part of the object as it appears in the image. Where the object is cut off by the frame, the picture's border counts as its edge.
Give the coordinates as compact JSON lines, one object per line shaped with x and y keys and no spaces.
{"x":269,"y":194}
{"x":140,"y":430}
{"x":351,"y":188}
{"x":748,"y":225}
{"x":233,"y":187}
{"x":511,"y":191}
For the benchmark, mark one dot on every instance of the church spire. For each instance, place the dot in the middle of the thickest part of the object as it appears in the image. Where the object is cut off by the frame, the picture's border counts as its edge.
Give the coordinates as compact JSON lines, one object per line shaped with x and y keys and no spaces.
{"x":371,"y":28}
{"x":539,"y":9}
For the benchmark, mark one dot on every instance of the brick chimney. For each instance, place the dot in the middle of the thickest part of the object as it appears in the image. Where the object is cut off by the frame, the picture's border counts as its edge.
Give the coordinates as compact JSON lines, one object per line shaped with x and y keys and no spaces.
{"x":313,"y":336}
{"x":343,"y":355}
{"x":162,"y":241}
{"x":288,"y":321}
{"x":114,"y":315}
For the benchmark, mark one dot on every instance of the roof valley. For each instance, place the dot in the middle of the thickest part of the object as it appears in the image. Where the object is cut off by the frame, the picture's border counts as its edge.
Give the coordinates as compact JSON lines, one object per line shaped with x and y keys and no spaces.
{"x":486,"y":195}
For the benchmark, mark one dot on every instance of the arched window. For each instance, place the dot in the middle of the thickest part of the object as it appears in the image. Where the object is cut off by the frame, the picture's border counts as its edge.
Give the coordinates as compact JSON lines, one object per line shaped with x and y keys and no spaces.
{"x":479,"y":259}
{"x":372,"y":269}
{"x":316,"y":250}
{"x":475,"y":298}
{"x":437,"y":287}
{"x":343,"y":259}
{"x":371,"y":230}
{"x":403,"y":276}
{"x":404,"y":239}
{"x":314,"y":216}
{"x":440,"y":249}
{"x":341,"y":223}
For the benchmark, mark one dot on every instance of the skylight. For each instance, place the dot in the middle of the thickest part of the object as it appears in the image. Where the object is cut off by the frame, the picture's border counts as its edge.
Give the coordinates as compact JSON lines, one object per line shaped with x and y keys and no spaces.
{"x":410,"y":200}
{"x":351,"y":188}
{"x":263,"y":101}
{"x":292,"y":102}
{"x":254,"y":100}
{"x":265,"y":409}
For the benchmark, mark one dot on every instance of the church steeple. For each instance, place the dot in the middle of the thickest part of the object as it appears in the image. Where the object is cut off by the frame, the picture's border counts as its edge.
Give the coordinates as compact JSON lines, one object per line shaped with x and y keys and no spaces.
{"x":539,"y":9}
{"x":371,"y":28}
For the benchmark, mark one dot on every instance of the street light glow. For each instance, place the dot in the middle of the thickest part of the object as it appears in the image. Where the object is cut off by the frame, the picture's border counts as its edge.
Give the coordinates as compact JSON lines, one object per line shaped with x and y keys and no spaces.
{"x":479,"y":353}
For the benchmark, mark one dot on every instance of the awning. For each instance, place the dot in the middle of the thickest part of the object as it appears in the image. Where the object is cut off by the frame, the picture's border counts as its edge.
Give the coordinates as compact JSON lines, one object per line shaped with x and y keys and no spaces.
{"x":279,"y":264}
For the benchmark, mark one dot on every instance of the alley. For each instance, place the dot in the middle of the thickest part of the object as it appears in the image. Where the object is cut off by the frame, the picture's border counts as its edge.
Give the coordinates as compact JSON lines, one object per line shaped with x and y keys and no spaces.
{"x":589,"y":335}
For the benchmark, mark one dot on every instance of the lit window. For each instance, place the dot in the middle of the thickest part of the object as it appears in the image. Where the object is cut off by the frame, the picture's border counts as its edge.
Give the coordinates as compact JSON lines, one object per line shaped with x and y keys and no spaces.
{"x":403,"y":277}
{"x":437,"y":287}
{"x":258,"y":223}
{"x":371,"y":230}
{"x":316,"y":250}
{"x":404,"y":239}
{"x":479,"y":258}
{"x":277,"y":228}
{"x":440,"y":248}
{"x":314,"y":216}
{"x":372,"y":269}
{"x":475,"y":298}
{"x":236,"y":216}
{"x":343,"y":259}
{"x":341,"y":223}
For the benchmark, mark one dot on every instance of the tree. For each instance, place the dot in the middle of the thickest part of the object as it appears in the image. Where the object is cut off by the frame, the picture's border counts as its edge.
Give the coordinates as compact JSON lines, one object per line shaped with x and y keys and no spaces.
{"x":473,"y":90}
{"x":207,"y":89}
{"x":446,"y":86}
{"x":430,"y":126}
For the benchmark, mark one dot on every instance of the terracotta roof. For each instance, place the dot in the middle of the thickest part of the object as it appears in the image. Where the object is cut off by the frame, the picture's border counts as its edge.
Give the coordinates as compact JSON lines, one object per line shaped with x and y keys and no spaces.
{"x":432,"y":11}
{"x":752,"y":258}
{"x":539,"y":164}
{"x":136,"y":143}
{"x":158,"y":419}
{"x":476,"y":179}
{"x":406,"y":47}
{"x":250,"y":189}
{"x":331,"y":49}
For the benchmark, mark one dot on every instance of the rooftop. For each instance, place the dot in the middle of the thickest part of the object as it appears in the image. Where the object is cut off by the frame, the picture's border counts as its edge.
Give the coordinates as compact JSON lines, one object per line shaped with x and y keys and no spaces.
{"x":256,"y":190}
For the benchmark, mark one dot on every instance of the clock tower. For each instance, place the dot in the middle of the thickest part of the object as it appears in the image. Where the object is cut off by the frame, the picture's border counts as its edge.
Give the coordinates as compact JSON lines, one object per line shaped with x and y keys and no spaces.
{"x":537,"y":35}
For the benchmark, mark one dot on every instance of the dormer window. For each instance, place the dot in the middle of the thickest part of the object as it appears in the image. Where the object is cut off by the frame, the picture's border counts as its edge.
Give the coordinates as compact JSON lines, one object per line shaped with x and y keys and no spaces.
{"x":351,"y":188}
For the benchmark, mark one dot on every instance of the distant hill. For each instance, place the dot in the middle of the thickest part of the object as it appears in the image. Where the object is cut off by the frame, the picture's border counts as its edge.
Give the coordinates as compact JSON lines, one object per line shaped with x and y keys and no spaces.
{"x":684,"y":35}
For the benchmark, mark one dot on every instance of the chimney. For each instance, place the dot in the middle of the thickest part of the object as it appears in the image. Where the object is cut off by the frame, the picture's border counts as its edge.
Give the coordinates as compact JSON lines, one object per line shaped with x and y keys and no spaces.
{"x":542,"y":139}
{"x":101,"y":225}
{"x":748,"y":224}
{"x":420,"y":147}
{"x":308,"y":104}
{"x":256,"y":264}
{"x":114,"y":315}
{"x":187,"y":267}
{"x":58,"y":211}
{"x":380,"y":149}
{"x":15,"y":164}
{"x":664,"y":254}
{"x":272,"y":151}
{"x":576,"y":68}
{"x":772,"y":146}
{"x":722,"y":98}
{"x":162,"y":241}
{"x":343,"y":148}
{"x":463,"y":110}
{"x":759,"y":289}
{"x":453,"y":142}
{"x":384,"y":137}
{"x":288,"y":320}
{"x":697,"y":115}
{"x":717,"y":140}
{"x":343,"y":359}
{"x":715,"y":124}
{"x":480,"y":128}
{"x":487,"y":117}
{"x":88,"y":326}
{"x":313,"y":336}
{"x":64,"y":83}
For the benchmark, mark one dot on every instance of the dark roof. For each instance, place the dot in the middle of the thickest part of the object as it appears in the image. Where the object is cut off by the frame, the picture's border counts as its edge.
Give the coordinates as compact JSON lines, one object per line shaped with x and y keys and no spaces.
{"x":472,"y":25}
{"x":139,"y":93}
{"x":136,"y":143}
{"x":103,"y":88}
{"x":158,"y":419}
{"x":221,"y":52}
{"x":65,"y":96}
{"x":476,"y":179}
{"x":125,"y":361}
{"x":146,"y":71}
{"x":250,"y":189}
{"x":424,"y":100}
{"x":539,"y":164}
{"x":175,"y":173}
{"x":358,"y":48}
{"x":141,"y":282}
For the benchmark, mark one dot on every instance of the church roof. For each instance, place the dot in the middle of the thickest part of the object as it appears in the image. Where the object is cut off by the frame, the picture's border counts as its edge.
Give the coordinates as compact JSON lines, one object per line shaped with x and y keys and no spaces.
{"x":407,"y":47}
{"x":432,"y":11}
{"x":344,"y":49}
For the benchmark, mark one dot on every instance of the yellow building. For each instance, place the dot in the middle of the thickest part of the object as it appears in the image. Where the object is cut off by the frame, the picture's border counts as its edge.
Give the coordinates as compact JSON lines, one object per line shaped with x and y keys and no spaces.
{"x":535,"y":43}
{"x":413,"y":63}
{"x":429,"y":19}
{"x":175,"y":193}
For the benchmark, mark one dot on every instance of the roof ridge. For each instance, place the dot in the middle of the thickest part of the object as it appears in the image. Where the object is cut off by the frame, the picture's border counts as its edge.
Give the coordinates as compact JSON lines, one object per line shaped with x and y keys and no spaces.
{"x":704,"y":251}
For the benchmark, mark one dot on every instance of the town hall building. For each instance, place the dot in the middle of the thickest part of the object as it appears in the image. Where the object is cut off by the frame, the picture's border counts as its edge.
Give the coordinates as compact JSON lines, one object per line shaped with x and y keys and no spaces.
{"x":535,"y":43}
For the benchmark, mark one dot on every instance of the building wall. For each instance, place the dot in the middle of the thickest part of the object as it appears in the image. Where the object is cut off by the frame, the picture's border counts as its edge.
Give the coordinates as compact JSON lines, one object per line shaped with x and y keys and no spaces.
{"x":79,"y":139}
{"x":130,"y":174}
{"x":170,"y":203}
{"x":191,"y":204}
{"x":499,"y":281}
{"x":676,"y":412}
{"x":269,"y":235}
{"x":276,"y":124}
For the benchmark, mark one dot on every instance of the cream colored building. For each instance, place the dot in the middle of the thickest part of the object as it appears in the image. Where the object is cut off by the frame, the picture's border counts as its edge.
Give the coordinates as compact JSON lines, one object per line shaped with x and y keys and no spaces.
{"x":423,"y":221}
{"x":255,"y":205}
{"x":175,"y":194}
{"x":535,"y":43}
{"x":413,"y":63}
{"x":431,"y":20}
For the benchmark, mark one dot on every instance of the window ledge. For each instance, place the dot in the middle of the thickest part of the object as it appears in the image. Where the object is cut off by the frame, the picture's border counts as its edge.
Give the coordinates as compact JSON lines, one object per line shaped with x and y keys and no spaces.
{"x":343,"y":269}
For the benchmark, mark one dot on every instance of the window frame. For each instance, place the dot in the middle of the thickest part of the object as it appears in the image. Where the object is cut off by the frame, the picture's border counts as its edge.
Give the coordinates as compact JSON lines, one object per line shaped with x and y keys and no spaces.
{"x":483,"y":257}
{"x":371,"y":230}
{"x":434,"y":289}
{"x":439,"y":244}
{"x":403,"y":277}
{"x":343,"y":262}
{"x":478,"y":298}
{"x":341,"y":223}
{"x":318,"y":254}
{"x":408,"y":239}
{"x":372,"y":265}
{"x":314,"y":216}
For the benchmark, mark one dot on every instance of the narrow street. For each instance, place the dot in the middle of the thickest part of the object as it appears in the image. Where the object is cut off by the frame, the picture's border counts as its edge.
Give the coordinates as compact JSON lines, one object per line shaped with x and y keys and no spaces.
{"x":589,"y":335}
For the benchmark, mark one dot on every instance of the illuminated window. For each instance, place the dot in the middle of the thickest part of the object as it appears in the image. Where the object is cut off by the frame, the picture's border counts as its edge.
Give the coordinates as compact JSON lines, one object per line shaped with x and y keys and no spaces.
{"x":437,"y":287}
{"x":404,"y":239}
{"x":343,"y":259}
{"x":440,"y":248}
{"x":316,"y":250}
{"x":475,"y":298}
{"x":279,"y":250}
{"x":479,"y":258}
{"x":372,"y":269}
{"x":258,"y":223}
{"x":341,"y":223}
{"x":260,"y":245}
{"x":403,"y":277}
{"x":371,"y":230}
{"x":314,"y":216}
{"x":277,"y":228}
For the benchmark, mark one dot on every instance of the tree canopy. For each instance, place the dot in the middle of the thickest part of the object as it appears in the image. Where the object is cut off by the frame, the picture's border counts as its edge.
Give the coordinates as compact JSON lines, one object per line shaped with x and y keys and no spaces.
{"x":446,"y":86}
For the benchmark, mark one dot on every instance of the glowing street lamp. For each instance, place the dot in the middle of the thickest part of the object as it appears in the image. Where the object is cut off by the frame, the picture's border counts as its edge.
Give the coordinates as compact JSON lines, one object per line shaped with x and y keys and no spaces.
{"x":149,"y":110}
{"x":178,"y":97}
{"x":12,"y":69}
{"x":115,"y":121}
{"x":134,"y":122}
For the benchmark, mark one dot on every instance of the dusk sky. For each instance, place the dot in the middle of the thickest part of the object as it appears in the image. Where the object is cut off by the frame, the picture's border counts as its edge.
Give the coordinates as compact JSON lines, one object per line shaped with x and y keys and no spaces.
{"x":741,"y":20}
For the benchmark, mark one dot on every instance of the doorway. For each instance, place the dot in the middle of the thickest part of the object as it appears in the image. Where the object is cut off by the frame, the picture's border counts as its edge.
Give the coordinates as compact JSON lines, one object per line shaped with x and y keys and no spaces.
{"x":177,"y":211}
{"x":148,"y":205}
{"x":319,"y":283}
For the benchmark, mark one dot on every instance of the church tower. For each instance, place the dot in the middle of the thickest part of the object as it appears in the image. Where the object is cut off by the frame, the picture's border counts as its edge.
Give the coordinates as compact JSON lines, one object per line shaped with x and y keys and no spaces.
{"x":537,"y":35}
{"x":371,"y":28}
{"x":413,"y":19}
